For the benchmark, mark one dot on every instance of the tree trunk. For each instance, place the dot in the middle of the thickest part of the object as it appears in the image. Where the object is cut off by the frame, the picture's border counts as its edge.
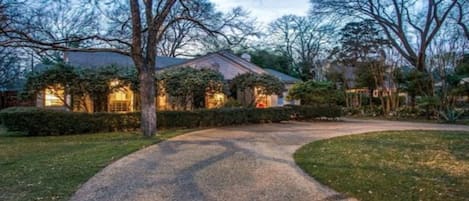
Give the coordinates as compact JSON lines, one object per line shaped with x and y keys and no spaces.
{"x":347,"y":105}
{"x":147,"y":98}
{"x":383,"y":102}
{"x":2,"y":100}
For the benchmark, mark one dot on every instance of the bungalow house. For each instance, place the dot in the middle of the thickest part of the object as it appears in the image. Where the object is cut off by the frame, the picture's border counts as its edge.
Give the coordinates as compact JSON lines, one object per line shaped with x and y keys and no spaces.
{"x":125,"y":100}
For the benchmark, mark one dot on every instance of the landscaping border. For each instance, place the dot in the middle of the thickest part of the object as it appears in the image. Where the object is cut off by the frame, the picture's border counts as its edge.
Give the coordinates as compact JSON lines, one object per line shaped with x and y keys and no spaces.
{"x":38,"y":121}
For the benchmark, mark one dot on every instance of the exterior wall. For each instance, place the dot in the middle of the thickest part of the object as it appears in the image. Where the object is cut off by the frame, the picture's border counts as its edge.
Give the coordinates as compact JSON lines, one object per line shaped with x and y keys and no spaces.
{"x":281,"y":101}
{"x":243,"y":97}
{"x":274,"y":101}
{"x":68,"y":99}
{"x":40,"y":99}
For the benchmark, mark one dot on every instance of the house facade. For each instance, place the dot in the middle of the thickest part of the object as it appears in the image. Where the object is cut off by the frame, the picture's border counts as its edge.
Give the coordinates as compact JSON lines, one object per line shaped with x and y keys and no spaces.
{"x":125,"y":100}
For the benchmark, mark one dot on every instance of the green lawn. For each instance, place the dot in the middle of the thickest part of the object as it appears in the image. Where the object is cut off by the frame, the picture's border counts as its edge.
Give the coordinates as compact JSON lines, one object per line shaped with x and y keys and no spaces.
{"x":404,"y":165}
{"x":52,"y":168}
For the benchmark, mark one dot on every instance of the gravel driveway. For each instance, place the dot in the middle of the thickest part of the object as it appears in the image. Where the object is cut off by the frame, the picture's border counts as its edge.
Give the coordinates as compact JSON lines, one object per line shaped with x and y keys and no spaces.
{"x":233,"y":163}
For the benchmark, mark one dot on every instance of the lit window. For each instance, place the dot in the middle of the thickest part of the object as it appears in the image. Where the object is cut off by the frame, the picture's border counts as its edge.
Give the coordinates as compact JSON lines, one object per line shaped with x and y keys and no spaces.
{"x":161,"y":102}
{"x":54,"y":97}
{"x":261,"y":99}
{"x":119,"y":96}
{"x":215,"y":100}
{"x":121,"y":100}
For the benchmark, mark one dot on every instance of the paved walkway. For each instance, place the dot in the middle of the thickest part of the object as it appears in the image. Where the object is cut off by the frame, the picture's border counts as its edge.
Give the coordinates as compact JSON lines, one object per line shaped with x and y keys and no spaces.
{"x":243,"y":163}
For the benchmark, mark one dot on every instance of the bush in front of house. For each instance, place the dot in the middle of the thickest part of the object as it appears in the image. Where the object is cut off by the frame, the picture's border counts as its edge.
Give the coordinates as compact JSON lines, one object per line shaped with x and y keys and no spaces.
{"x":316,"y":93}
{"x":38,"y":121}
{"x":189,"y":86}
{"x":247,"y":85}
{"x":306,"y":112}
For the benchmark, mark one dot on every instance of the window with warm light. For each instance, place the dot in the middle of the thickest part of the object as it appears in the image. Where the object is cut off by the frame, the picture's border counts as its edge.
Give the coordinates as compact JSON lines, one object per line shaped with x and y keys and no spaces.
{"x":261,"y":99}
{"x":161,"y":102}
{"x":215,"y":100}
{"x":119,"y":96}
{"x":54,"y":97}
{"x":121,"y":100}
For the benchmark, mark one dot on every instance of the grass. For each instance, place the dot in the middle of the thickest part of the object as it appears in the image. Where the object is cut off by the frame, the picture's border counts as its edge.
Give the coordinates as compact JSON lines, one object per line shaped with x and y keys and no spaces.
{"x":52,"y":168}
{"x":404,"y":165}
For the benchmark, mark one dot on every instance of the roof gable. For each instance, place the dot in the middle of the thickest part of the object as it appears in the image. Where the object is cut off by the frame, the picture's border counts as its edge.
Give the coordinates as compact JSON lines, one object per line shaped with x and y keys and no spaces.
{"x":228,"y":64}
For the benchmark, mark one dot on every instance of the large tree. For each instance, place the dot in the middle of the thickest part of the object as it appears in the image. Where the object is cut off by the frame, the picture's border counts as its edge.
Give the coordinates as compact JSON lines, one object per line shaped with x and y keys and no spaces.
{"x":267,"y":58}
{"x":301,"y":39}
{"x":185,"y":38}
{"x":136,"y":34}
{"x":360,"y":48}
{"x":410,"y":25}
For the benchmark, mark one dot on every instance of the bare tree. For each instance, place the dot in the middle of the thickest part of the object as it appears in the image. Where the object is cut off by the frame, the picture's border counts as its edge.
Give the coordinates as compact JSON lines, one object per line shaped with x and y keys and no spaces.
{"x":301,"y":39}
{"x":147,"y":21}
{"x":462,"y":16}
{"x":184,"y":38}
{"x":10,"y":67}
{"x":445,"y":53}
{"x":403,"y":21}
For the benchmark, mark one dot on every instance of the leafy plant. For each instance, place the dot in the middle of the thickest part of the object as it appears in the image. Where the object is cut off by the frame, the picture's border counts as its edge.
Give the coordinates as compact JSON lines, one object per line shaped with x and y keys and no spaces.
{"x":80,"y":82}
{"x":249,"y":83}
{"x":315,"y":93}
{"x":231,"y":102}
{"x":189,"y":85}
{"x":429,"y":103}
{"x":451,"y":115}
{"x":39,"y":121}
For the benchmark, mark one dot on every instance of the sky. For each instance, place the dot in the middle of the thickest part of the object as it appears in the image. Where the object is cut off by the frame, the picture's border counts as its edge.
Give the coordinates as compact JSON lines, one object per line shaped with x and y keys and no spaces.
{"x":266,"y":10}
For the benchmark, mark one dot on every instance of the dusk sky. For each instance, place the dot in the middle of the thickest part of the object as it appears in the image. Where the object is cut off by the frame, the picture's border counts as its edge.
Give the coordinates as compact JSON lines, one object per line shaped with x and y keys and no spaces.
{"x":266,"y":10}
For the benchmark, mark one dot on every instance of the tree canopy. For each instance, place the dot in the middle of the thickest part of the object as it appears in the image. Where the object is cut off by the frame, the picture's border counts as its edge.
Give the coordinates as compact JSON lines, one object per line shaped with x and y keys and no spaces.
{"x":188,"y":85}
{"x":250,"y":84}
{"x":315,"y":93}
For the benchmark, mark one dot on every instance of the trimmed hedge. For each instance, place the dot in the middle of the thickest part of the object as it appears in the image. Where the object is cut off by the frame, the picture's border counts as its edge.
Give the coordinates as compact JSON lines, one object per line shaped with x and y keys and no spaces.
{"x":37,"y":121}
{"x":312,"y":112}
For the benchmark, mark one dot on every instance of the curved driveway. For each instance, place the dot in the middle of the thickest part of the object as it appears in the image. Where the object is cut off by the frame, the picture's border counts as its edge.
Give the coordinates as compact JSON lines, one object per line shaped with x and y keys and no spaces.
{"x":233,"y":163}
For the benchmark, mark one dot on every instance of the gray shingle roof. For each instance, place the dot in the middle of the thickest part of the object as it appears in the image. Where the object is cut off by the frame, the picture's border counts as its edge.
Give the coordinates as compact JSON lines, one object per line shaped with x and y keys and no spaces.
{"x":282,"y":76}
{"x":98,"y":59}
